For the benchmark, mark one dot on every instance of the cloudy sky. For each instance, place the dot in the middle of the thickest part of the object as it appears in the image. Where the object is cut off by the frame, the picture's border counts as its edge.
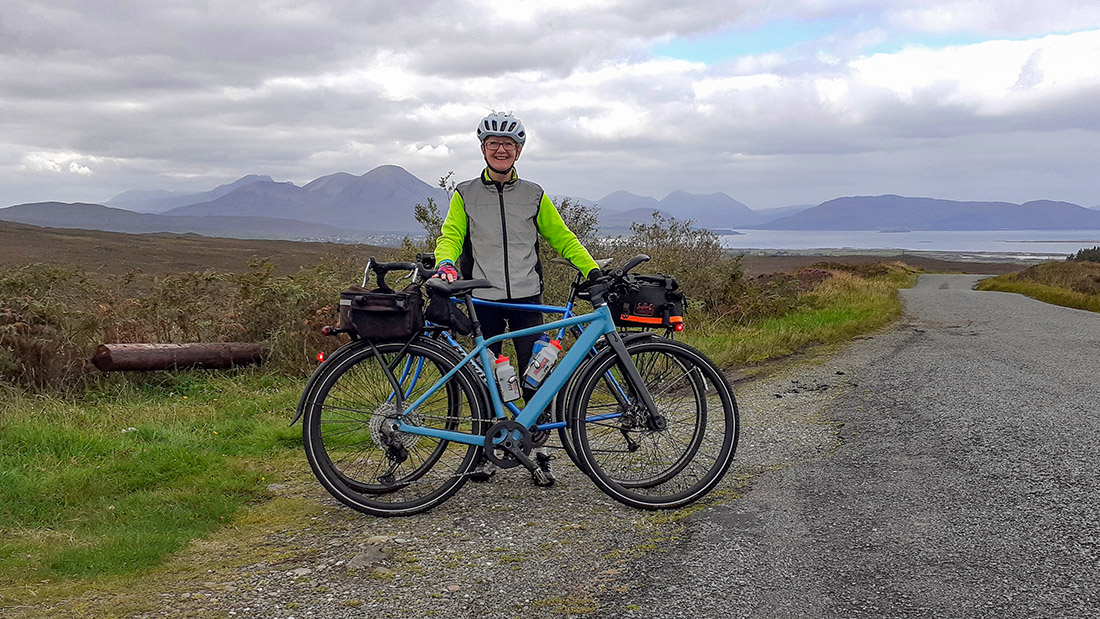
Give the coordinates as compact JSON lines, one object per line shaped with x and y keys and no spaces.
{"x":774,"y":103}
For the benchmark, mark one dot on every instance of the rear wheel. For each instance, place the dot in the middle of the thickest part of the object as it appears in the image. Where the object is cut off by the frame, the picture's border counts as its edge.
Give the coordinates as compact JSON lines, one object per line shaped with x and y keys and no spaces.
{"x":348,"y":430}
{"x":659,"y":461}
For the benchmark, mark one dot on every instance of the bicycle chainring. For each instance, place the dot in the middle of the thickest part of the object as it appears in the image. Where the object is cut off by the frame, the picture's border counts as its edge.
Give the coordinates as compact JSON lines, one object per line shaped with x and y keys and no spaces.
{"x":503,"y":440}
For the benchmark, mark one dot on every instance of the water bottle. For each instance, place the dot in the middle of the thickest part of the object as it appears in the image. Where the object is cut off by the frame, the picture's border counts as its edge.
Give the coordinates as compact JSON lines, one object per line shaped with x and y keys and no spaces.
{"x":541,"y":363}
{"x":506,"y":379}
{"x":537,"y":346}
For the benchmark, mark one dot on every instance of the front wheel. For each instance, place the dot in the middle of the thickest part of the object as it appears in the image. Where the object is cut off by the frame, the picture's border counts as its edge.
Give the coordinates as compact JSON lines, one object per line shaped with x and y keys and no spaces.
{"x":348,"y":434}
{"x":655,"y":459}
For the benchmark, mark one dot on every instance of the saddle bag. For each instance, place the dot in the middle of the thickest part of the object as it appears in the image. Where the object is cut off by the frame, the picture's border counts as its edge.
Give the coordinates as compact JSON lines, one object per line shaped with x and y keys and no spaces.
{"x":649,"y":301}
{"x":445,"y":313}
{"x":382,"y":314}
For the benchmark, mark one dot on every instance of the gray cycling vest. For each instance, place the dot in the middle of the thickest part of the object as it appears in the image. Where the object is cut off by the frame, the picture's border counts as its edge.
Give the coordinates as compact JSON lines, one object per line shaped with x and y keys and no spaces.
{"x":502,"y":237}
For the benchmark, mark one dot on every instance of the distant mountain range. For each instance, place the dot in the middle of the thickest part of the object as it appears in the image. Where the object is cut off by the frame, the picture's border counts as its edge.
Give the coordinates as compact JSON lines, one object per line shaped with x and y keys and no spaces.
{"x":898,"y":213}
{"x":161,"y":201}
{"x":99,"y":217}
{"x":377,"y":207}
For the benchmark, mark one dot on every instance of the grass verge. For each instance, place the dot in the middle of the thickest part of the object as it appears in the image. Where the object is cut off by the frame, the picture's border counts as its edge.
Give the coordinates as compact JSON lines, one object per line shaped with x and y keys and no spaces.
{"x":115,"y":481}
{"x":1070,"y":284}
{"x":841,"y":307}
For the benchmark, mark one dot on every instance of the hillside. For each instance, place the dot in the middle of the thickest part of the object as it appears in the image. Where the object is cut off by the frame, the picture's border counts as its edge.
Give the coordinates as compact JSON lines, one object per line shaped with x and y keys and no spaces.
{"x":160,"y":201}
{"x":716,"y":210}
{"x":891,"y":212}
{"x":99,"y":217}
{"x":378,"y":207}
{"x":113,"y":253}
{"x":380,"y":201}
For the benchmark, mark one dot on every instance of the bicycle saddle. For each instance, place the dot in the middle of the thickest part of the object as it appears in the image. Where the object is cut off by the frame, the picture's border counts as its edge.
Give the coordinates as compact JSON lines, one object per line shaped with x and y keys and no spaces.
{"x":457,"y":287}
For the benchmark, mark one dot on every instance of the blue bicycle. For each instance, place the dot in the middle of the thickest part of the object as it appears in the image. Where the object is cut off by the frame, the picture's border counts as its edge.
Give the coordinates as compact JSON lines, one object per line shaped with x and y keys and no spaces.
{"x":394,"y":427}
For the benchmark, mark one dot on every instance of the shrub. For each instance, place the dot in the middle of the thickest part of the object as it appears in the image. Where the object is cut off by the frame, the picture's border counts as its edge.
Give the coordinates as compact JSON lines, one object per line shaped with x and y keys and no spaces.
{"x":1078,"y":276}
{"x":1086,"y":255}
{"x":52,"y":318}
{"x":48,"y":320}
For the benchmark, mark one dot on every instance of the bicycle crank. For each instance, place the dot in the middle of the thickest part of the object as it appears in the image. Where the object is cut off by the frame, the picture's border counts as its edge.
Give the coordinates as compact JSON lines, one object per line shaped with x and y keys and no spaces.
{"x":508,"y":444}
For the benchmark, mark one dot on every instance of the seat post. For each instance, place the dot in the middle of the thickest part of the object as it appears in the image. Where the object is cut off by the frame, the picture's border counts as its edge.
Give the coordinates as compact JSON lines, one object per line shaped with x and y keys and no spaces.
{"x":468,"y":298}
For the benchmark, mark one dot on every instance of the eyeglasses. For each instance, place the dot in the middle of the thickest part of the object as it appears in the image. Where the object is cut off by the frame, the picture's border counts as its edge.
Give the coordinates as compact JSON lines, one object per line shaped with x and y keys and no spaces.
{"x":493,"y":145}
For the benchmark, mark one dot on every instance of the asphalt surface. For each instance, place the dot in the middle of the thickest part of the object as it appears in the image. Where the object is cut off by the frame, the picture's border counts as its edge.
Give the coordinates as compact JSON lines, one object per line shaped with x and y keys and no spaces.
{"x":963,"y":483}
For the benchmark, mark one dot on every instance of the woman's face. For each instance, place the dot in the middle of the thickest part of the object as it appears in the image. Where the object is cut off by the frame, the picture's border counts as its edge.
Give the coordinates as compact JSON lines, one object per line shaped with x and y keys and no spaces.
{"x":500,"y":153}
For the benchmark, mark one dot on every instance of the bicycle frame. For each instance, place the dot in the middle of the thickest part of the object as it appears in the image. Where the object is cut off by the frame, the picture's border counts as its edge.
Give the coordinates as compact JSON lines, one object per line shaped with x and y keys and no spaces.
{"x":600,"y":324}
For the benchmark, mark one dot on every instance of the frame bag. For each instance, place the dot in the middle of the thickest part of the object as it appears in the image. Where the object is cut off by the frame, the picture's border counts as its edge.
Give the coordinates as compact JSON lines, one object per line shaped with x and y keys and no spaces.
{"x":649,"y":301}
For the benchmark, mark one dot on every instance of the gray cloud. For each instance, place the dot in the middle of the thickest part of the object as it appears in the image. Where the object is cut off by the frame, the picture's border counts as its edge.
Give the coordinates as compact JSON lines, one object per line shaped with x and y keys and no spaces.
{"x":188,"y":95}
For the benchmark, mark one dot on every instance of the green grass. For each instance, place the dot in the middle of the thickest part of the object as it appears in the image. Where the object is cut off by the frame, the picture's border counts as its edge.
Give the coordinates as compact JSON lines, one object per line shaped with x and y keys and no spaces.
{"x":842,"y":307}
{"x":119,"y":479}
{"x":1070,"y":284}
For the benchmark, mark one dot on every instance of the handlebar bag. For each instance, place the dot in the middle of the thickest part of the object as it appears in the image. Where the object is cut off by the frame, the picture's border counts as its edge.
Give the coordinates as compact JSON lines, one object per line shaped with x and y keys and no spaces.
{"x":649,"y":301}
{"x":382,"y":314}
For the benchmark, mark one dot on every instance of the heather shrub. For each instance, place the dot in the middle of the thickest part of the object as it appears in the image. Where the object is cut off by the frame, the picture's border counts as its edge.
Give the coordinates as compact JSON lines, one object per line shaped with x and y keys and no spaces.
{"x":1081,"y":276}
{"x":48,"y":320}
{"x":52,"y":318}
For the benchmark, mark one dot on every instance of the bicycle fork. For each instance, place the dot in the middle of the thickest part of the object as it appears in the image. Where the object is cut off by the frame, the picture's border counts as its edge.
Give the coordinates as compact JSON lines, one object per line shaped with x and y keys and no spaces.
{"x":654,"y":420}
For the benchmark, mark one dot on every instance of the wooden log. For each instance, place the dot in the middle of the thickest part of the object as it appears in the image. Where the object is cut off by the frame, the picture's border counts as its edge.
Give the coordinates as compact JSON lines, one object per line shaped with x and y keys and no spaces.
{"x":147,"y":357}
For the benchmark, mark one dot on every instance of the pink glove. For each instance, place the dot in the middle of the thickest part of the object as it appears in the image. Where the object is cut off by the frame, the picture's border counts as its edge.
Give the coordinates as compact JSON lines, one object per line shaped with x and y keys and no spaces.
{"x":447,"y":272}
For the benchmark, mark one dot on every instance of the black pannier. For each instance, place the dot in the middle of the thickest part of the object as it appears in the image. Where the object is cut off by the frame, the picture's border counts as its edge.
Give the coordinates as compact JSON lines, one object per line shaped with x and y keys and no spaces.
{"x":382,"y":314}
{"x":442,"y":311}
{"x":648,"y":301}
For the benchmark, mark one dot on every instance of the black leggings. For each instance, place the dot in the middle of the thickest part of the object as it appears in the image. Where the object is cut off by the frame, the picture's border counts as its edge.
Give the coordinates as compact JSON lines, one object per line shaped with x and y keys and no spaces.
{"x":493,"y":323}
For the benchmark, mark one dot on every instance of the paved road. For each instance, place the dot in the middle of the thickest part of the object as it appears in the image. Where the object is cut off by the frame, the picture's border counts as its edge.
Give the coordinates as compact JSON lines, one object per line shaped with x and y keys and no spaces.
{"x":964,"y":484}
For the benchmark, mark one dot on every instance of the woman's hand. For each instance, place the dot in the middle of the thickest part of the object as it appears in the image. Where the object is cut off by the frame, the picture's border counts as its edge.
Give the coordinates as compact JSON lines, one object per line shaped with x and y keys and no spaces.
{"x":447,"y":272}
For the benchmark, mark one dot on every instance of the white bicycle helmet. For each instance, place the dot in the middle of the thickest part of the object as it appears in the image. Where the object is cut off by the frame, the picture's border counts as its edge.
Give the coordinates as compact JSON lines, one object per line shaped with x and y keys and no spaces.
{"x":503,"y":125}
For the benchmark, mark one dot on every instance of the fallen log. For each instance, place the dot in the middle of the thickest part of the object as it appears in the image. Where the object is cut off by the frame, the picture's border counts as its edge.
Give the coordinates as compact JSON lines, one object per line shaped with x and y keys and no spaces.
{"x":147,"y":357}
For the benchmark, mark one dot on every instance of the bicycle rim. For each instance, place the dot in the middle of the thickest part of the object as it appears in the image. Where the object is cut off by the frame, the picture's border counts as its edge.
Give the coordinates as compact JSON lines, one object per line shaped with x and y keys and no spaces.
{"x":354,"y":452}
{"x":656,"y":468}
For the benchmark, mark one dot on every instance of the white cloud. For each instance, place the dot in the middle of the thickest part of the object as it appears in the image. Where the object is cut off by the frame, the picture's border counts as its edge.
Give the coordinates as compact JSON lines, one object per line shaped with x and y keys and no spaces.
{"x":999,"y":17}
{"x":994,"y":77}
{"x":81,"y":169}
{"x":57,"y":163}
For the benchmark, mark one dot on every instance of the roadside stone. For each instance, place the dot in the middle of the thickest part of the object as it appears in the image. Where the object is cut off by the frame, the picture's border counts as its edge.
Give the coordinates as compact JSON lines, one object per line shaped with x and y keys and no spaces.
{"x":300,"y":572}
{"x":367,"y":557}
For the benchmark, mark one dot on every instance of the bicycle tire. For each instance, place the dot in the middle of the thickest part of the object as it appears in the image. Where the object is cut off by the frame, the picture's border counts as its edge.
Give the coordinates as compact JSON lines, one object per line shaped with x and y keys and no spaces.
{"x":657,"y":469}
{"x":345,"y":428}
{"x":319,"y":372}
{"x":653,"y":366}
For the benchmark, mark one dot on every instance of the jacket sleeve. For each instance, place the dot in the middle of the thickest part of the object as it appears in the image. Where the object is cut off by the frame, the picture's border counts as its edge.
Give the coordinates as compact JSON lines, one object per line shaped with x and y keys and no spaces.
{"x":561,"y":238}
{"x":453,"y":232}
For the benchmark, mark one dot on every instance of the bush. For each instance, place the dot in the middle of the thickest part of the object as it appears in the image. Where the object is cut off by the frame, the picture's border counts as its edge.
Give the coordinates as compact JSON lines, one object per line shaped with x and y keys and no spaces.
{"x":1078,"y":276}
{"x":49,"y":318}
{"x":52,"y":318}
{"x":1086,"y":255}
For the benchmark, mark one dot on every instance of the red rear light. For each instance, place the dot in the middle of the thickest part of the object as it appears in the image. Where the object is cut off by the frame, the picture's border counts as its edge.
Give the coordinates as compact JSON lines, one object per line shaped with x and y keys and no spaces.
{"x":678,"y":327}
{"x":321,"y":357}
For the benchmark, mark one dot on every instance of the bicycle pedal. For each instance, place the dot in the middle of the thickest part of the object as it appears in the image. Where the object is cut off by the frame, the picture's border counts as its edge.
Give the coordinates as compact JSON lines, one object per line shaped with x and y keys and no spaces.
{"x":541,"y":479}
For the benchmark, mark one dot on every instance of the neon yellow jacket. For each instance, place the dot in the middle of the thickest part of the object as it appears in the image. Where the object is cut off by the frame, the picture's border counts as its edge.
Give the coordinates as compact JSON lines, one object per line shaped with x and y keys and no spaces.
{"x":492,"y":232}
